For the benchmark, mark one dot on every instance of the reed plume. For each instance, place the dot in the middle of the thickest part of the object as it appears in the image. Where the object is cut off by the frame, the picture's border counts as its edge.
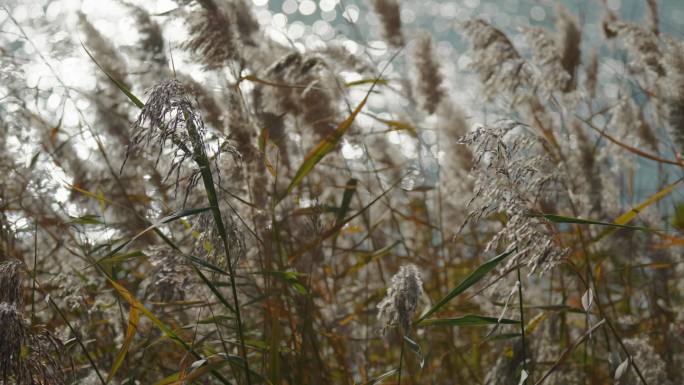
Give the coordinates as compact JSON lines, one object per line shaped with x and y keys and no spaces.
{"x":402,"y":299}
{"x":389,"y":13}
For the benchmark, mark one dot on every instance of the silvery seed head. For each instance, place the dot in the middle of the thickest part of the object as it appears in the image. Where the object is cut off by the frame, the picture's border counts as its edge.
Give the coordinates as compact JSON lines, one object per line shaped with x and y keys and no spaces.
{"x":166,"y":117}
{"x":402,"y":299}
{"x":13,"y":332}
{"x":10,"y":282}
{"x":28,"y":354}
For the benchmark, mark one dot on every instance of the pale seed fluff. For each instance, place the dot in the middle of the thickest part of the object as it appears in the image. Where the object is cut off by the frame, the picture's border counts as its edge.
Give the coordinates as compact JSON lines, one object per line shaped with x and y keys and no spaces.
{"x":641,"y":44}
{"x":402,"y":298}
{"x":672,"y":103}
{"x":498,"y":64}
{"x":548,"y":58}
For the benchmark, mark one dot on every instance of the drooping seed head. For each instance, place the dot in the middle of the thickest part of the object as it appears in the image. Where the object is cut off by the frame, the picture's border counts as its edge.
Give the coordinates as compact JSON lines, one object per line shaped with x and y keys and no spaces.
{"x":164,"y":122}
{"x":13,"y":331}
{"x":10,"y":282}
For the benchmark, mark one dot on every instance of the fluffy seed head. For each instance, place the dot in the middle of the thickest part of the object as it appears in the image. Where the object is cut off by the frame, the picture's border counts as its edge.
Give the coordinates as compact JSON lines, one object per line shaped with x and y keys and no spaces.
{"x":592,"y":73}
{"x":28,"y":355}
{"x":402,"y":299}
{"x":513,"y":176}
{"x":495,"y":59}
{"x":641,"y":44}
{"x":548,"y":57}
{"x":673,"y":85}
{"x":212,"y":35}
{"x":210,"y":242}
{"x":429,"y":81}
{"x":389,"y":13}
{"x":652,"y":18}
{"x":569,"y":39}
{"x":312,"y":93}
{"x":170,"y":280}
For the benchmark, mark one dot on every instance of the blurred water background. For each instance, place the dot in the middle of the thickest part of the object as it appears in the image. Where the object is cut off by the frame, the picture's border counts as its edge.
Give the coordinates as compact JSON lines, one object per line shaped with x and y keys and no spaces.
{"x":43,"y":39}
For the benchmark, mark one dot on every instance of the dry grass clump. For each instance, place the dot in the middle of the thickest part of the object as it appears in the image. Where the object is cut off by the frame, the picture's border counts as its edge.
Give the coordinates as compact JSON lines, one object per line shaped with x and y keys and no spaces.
{"x":385,"y":214}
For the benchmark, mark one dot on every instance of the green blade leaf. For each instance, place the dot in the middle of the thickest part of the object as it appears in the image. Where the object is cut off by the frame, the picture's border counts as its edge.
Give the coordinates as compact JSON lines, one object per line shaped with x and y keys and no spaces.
{"x":470,"y":280}
{"x":563,"y":219}
{"x":349,"y":190}
{"x":467,"y":320}
{"x":120,"y":85}
{"x":165,"y":220}
{"x":88,"y":219}
{"x":380,"y":378}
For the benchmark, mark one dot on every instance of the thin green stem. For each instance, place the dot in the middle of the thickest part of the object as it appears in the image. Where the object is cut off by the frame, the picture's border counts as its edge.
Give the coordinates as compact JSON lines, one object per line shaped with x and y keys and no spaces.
{"x":401,"y":358}
{"x":35,"y":263}
{"x":522,"y":324}
{"x":200,"y":157}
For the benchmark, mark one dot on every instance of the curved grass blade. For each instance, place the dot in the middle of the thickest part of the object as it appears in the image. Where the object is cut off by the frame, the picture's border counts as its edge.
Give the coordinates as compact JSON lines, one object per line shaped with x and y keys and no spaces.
{"x":165,"y":220}
{"x":470,"y":280}
{"x":324,"y":147}
{"x":631,"y":214}
{"x":384,"y":82}
{"x":382,"y":377}
{"x":415,"y":348}
{"x":567,"y":352}
{"x":128,"y":297}
{"x":349,"y":190}
{"x":467,"y":320}
{"x":563,"y":219}
{"x":120,"y":85}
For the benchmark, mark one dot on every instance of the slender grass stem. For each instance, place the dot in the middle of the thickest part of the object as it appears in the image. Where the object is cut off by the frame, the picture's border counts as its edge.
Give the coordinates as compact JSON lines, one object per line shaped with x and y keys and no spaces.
{"x":401,"y":358}
{"x":35,"y":265}
{"x":200,"y":157}
{"x":522,"y":324}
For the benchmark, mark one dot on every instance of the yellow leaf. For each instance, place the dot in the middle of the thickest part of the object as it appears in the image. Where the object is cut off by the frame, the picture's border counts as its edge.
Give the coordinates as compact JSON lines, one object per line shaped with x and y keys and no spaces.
{"x":100,"y":197}
{"x":534,"y":322}
{"x":133,"y":319}
{"x":128,"y":297}
{"x":631,"y":214}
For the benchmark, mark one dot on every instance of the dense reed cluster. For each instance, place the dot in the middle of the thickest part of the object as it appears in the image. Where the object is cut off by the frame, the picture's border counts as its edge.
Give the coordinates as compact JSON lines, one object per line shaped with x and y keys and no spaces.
{"x":215,"y":201}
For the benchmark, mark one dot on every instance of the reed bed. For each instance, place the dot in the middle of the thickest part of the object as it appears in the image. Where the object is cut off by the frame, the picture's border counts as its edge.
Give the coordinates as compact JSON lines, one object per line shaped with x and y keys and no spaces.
{"x":293,"y":214}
